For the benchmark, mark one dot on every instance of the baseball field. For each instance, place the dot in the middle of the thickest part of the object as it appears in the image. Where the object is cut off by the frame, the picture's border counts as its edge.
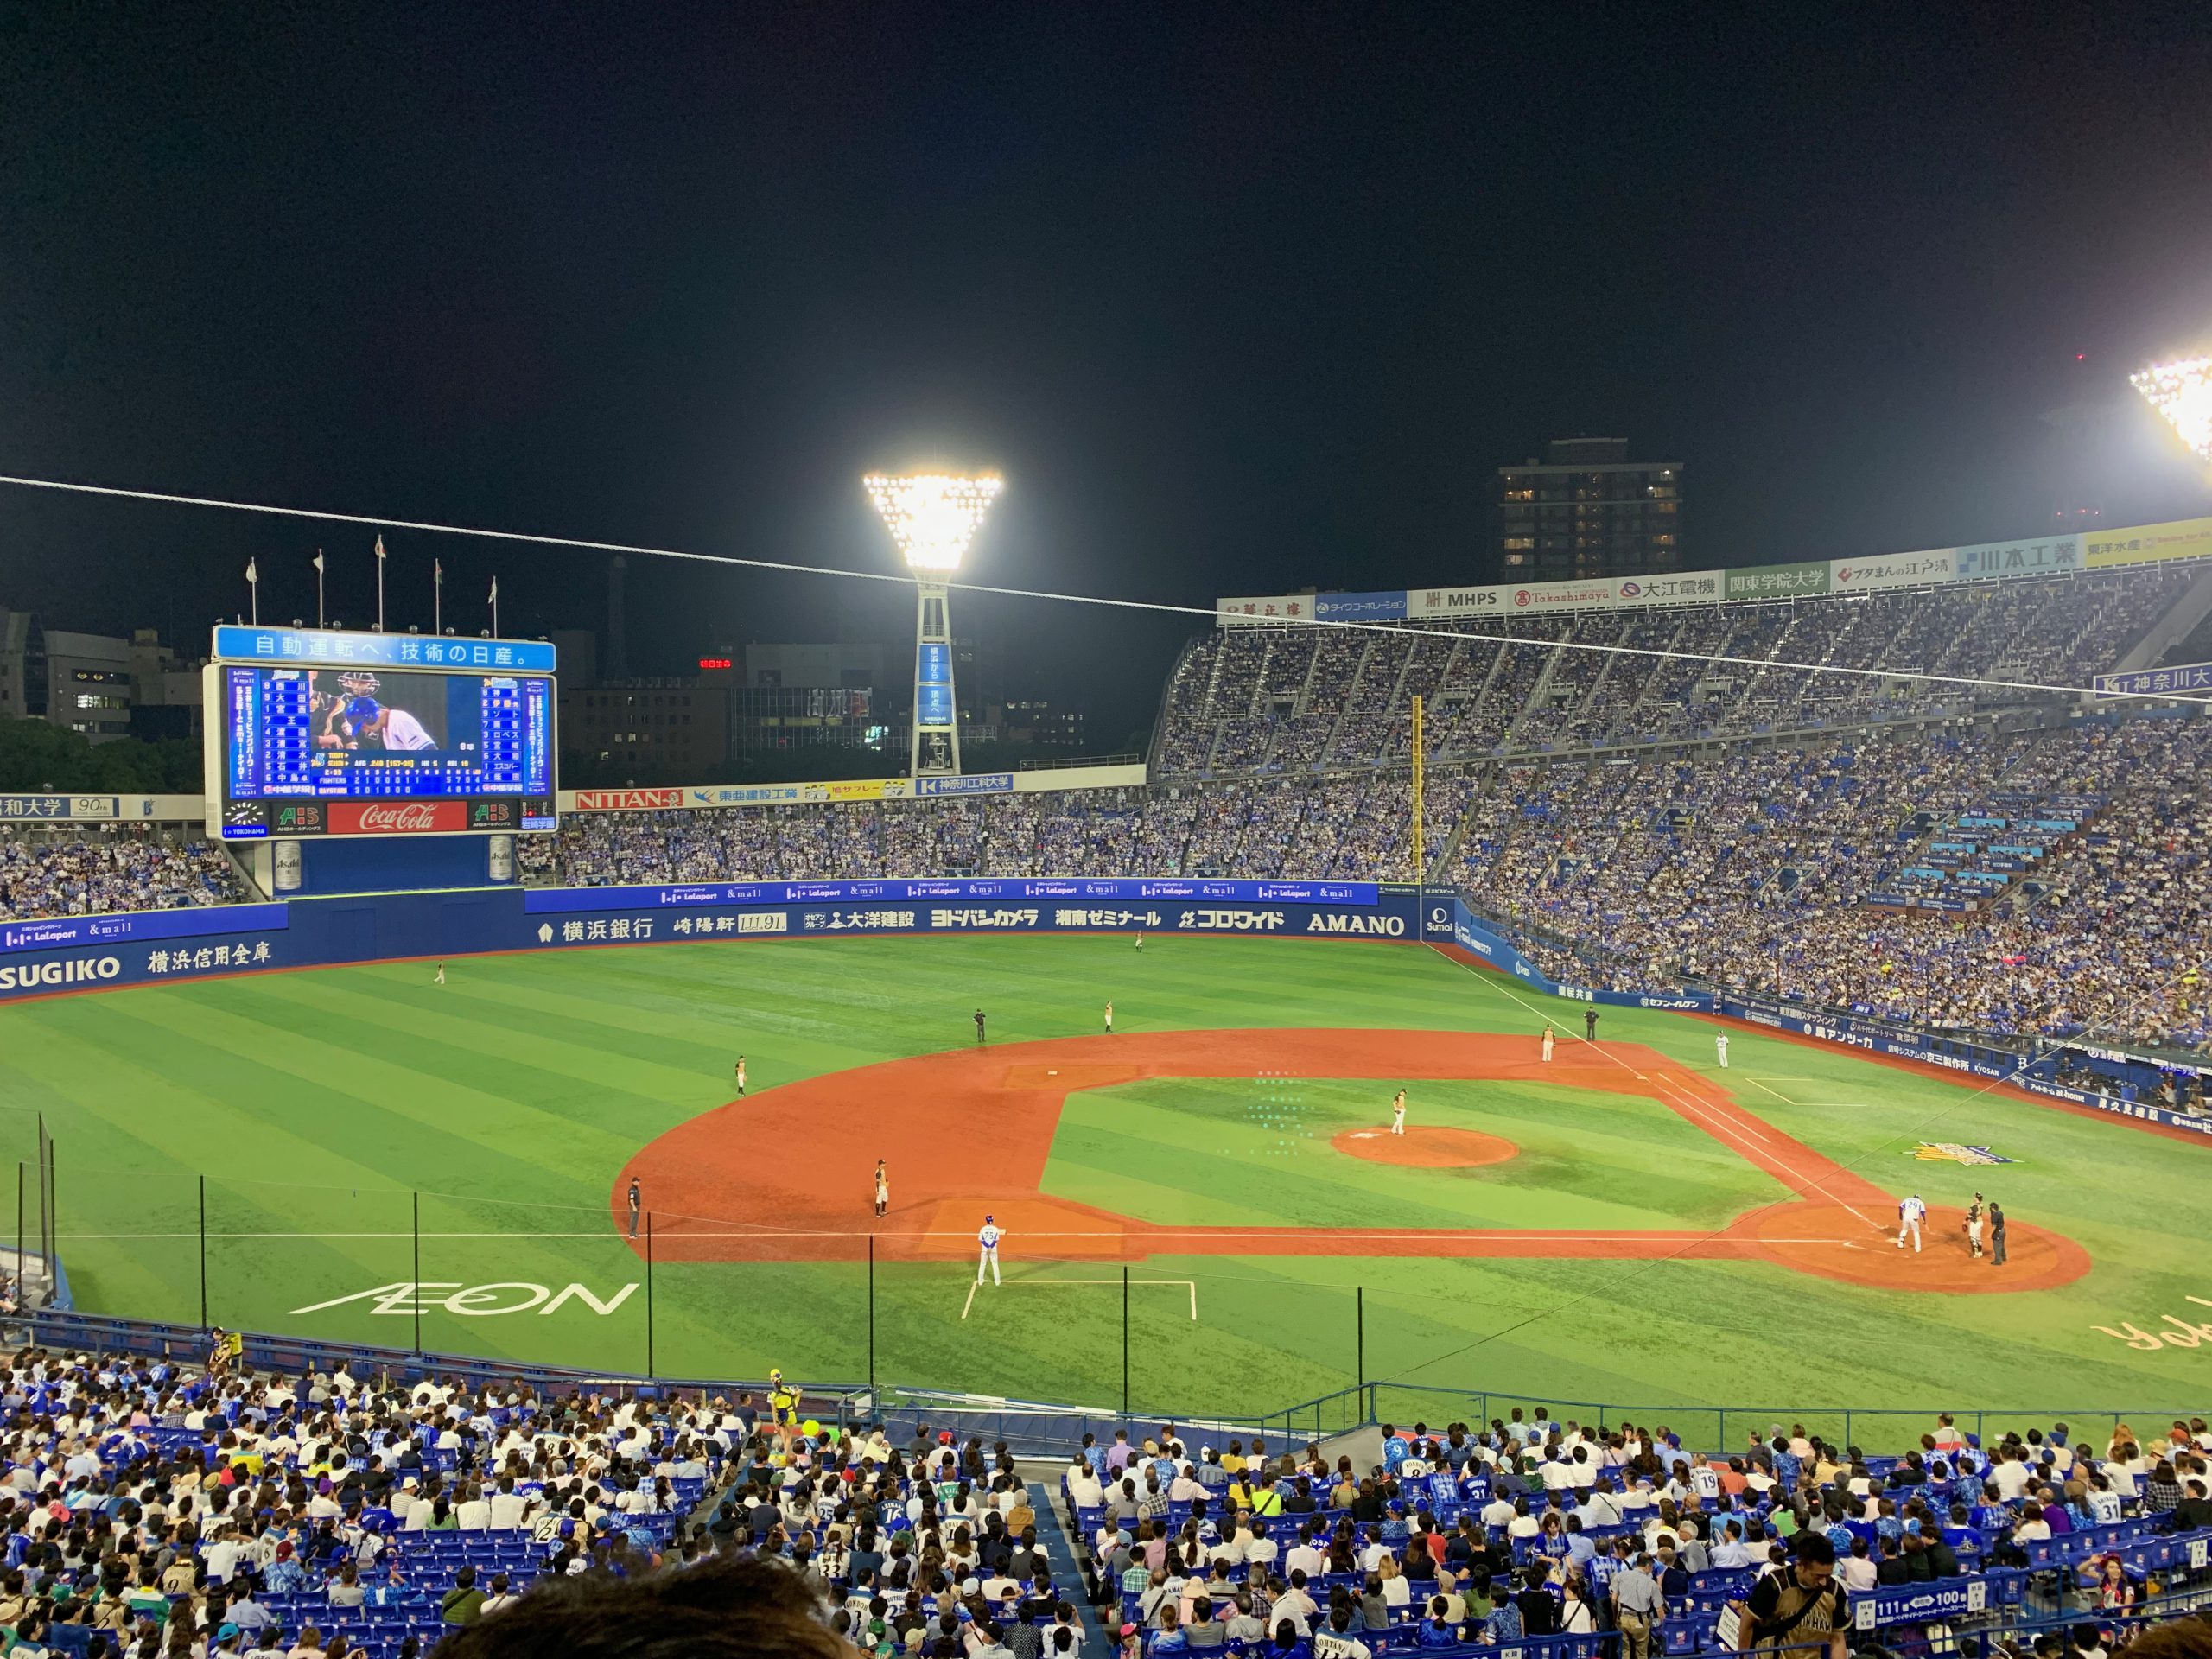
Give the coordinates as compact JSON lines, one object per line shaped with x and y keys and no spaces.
{"x":363,"y":1154}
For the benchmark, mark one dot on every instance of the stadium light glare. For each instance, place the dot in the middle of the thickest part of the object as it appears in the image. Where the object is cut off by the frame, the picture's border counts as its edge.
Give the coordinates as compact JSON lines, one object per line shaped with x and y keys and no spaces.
{"x":2182,"y":391}
{"x":933,"y":516}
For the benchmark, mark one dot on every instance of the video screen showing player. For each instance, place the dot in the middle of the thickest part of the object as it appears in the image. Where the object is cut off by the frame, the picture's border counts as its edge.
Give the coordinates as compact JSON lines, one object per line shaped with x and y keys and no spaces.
{"x":349,"y":714}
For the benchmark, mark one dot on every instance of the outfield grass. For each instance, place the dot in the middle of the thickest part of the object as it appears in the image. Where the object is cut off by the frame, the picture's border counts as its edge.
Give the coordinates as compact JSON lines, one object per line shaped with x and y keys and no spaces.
{"x":323,"y":1102}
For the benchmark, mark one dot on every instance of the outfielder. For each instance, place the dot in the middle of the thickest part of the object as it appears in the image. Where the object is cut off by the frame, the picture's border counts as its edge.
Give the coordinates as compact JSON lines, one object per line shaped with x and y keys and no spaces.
{"x":1720,"y":1047}
{"x":1911,"y":1210}
{"x":1109,"y":1019}
{"x":989,"y":1235}
{"x":741,"y":1076}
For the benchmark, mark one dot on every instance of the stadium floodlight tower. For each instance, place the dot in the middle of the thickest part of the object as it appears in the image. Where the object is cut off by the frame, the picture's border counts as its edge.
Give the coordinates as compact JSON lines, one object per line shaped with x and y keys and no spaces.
{"x":933,"y":517}
{"x":2182,"y":391}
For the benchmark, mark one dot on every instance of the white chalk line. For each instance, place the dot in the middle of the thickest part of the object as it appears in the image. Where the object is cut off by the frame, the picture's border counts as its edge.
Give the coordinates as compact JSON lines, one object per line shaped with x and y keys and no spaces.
{"x":1712,"y":1124}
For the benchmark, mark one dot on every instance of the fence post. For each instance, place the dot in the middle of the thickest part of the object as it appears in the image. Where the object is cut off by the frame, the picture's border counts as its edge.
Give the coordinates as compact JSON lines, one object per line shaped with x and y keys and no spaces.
{"x":22,"y":1289}
{"x":871,"y":1325}
{"x":416,"y":1299}
{"x":1359,"y":1337}
{"x":1125,"y":1341}
{"x":203,"y":1253}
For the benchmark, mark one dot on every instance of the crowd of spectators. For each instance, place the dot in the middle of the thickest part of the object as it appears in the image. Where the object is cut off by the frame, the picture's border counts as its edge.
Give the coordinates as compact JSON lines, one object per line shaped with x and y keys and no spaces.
{"x":1755,"y":869}
{"x":1794,"y":870}
{"x":100,"y":871}
{"x":1533,"y":1527}
{"x":167,"y":1511}
{"x":154,"y":1508}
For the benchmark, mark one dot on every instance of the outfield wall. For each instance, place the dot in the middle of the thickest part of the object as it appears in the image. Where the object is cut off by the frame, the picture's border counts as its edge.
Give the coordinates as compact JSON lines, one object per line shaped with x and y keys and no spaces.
{"x":93,"y":953}
{"x":156,"y":947}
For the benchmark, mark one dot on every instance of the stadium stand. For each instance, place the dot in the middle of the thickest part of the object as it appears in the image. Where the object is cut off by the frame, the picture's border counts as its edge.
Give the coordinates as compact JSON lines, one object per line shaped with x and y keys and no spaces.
{"x":1270,"y":700}
{"x":159,"y":1504}
{"x":124,"y":868}
{"x":2070,"y":861}
{"x":1958,"y":858}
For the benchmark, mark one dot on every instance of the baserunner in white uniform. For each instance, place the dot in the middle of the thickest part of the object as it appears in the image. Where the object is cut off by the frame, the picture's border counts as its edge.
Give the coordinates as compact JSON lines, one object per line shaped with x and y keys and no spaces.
{"x":1720,"y":1047}
{"x":989,"y":1235}
{"x":1911,"y":1210}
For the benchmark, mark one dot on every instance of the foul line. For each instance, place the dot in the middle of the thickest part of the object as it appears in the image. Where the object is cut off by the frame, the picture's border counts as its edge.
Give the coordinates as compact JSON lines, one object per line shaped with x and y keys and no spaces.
{"x":1708,"y":1114}
{"x":1191,"y":1285}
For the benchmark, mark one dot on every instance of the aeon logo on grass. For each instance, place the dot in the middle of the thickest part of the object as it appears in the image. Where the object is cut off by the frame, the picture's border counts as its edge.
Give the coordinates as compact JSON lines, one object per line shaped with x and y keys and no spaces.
{"x":398,"y":817}
{"x":406,"y":1298}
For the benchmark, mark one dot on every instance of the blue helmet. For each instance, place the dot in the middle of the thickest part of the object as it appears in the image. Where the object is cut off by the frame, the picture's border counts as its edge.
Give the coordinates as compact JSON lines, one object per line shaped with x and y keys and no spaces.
{"x":362,"y":711}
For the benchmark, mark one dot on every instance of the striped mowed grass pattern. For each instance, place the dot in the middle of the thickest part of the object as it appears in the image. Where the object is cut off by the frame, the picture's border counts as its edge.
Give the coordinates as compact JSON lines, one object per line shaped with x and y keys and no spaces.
{"x":318,"y":1105}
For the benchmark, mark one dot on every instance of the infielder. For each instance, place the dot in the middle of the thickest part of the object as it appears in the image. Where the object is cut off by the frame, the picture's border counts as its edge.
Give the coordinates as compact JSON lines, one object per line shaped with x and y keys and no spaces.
{"x":1398,"y":1113}
{"x":989,"y":1235}
{"x":882,"y":1189}
{"x":1911,"y":1210}
{"x":1975,"y":1226}
{"x":1548,"y":1040}
{"x":1720,"y":1047}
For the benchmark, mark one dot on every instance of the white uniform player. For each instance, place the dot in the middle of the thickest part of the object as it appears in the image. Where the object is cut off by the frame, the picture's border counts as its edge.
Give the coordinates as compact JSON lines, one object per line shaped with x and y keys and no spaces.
{"x":1109,"y":1019}
{"x":1910,"y":1210}
{"x":1398,"y":1114}
{"x":403,"y":731}
{"x":1720,"y":1047}
{"x":442,"y":973}
{"x":1139,"y":938}
{"x":989,"y":1235}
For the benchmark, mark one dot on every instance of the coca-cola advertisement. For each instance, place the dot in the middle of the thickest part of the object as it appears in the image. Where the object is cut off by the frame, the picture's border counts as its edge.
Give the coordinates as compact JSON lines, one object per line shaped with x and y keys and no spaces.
{"x":397,"y":818}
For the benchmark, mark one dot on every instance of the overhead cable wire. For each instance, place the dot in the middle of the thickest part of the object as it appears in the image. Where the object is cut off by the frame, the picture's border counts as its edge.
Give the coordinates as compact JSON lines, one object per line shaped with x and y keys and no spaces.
{"x":787,"y":567}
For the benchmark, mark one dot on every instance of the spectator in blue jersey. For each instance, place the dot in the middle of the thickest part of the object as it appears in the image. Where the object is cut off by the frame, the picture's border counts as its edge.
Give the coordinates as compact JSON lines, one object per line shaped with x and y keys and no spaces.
{"x":1505,"y":1625}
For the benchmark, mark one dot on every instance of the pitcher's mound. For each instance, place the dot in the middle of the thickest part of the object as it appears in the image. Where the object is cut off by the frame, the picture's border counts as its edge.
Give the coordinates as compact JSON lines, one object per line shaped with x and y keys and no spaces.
{"x":1429,"y":1147}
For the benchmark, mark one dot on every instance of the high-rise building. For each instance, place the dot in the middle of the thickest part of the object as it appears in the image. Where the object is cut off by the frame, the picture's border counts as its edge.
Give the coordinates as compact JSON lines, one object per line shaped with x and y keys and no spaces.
{"x":23,"y":665}
{"x":805,"y":696}
{"x":1586,"y":509}
{"x":88,"y":683}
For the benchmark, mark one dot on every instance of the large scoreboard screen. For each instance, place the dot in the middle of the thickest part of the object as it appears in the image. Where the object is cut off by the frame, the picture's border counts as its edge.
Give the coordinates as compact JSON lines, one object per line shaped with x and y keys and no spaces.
{"x":357,"y":745}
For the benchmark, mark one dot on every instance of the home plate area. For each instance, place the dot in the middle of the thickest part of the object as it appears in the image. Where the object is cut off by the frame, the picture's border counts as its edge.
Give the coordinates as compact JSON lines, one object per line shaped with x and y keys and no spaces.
{"x":969,"y":1131}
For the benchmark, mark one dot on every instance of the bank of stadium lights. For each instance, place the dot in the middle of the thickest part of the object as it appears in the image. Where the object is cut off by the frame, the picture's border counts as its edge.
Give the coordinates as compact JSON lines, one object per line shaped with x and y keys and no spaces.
{"x":933,"y":516}
{"x":2182,"y":391}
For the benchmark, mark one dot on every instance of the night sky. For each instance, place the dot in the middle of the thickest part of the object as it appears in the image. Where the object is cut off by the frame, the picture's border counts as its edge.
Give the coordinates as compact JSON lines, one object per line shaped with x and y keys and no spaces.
{"x":1239,"y":299}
